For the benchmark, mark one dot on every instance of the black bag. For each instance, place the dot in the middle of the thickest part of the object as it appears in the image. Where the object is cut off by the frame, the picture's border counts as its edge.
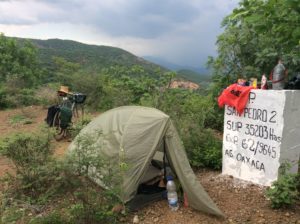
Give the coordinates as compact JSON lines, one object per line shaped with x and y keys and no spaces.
{"x":79,"y":98}
{"x":51,"y":114}
{"x":294,"y":82}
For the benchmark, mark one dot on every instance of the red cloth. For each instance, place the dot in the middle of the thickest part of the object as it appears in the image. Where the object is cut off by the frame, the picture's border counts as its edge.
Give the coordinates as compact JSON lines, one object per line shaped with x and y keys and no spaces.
{"x":235,"y":96}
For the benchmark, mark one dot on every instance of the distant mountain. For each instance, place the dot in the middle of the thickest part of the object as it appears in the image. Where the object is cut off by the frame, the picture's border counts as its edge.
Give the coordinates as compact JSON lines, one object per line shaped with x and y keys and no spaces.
{"x":198,"y":75}
{"x":175,"y":67}
{"x":90,"y":57}
{"x":194,"y":76}
{"x":94,"y":58}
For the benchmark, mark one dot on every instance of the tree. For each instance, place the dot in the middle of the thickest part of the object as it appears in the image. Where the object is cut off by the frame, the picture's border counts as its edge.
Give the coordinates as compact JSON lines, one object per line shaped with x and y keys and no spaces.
{"x":18,"y":63}
{"x":255,"y":35}
{"x":64,"y":70}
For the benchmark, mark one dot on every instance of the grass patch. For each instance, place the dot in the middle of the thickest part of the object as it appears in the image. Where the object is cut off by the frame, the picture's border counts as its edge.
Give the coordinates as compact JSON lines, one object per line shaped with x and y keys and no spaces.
{"x":19,"y":119}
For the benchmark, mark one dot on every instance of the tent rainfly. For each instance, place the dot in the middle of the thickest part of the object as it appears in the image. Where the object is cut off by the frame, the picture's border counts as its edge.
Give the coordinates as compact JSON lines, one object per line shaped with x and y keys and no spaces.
{"x":138,"y":132}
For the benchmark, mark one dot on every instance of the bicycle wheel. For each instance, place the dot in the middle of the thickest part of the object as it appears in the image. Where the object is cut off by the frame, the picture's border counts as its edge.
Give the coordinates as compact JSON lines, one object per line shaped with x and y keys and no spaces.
{"x":56,"y":120}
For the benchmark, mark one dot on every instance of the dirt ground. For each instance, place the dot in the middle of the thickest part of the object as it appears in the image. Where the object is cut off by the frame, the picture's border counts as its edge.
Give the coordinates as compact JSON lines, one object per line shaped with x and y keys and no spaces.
{"x":240,"y":201}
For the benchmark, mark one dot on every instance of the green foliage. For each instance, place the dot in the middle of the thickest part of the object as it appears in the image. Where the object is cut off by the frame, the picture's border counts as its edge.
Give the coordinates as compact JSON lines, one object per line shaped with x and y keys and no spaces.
{"x":53,"y":217}
{"x":285,"y":191}
{"x":12,"y":215}
{"x":19,"y":71}
{"x":193,"y":115}
{"x":193,"y":76}
{"x":94,"y":205}
{"x":36,"y":172}
{"x":18,"y":65}
{"x":255,"y":34}
{"x":40,"y":179}
{"x":63,"y":70}
{"x":91,"y":58}
{"x":204,"y":149}
{"x":19,"y":119}
{"x":78,"y":126}
{"x":22,"y":97}
{"x":46,"y":95}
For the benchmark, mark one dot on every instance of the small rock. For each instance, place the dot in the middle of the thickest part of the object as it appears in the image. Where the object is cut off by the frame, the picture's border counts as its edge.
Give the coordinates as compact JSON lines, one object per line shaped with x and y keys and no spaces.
{"x":287,"y":214}
{"x":135,"y":219}
{"x":122,"y":219}
{"x":261,"y":221}
{"x":155,"y":219}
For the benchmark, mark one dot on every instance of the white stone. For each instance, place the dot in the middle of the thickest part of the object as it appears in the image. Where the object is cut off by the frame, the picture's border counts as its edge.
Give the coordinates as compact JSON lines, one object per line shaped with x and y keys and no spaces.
{"x":263,"y":137}
{"x":135,"y":219}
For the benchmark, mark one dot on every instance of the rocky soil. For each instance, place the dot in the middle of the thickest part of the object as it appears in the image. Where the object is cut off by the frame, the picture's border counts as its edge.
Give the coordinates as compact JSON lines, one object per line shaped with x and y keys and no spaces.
{"x":241,"y":202}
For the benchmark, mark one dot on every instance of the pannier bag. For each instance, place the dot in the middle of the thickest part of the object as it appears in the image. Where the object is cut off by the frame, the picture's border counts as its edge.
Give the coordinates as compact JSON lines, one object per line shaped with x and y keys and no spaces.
{"x":78,"y":98}
{"x":65,"y":117}
{"x":51,"y":114}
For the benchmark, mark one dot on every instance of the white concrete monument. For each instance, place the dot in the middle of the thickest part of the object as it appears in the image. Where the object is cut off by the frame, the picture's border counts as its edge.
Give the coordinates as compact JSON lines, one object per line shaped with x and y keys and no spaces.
{"x":266,"y":135}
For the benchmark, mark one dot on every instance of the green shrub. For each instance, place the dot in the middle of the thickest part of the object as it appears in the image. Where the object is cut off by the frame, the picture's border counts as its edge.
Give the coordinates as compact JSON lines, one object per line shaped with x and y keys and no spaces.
{"x":285,"y":191}
{"x":11,"y":215}
{"x":78,"y":126}
{"x":47,"y":95}
{"x":192,"y":114}
{"x":3,"y":101}
{"x":40,"y":179}
{"x":10,"y":98}
{"x":36,"y":171}
{"x":21,"y":97}
{"x":204,"y":149}
{"x":52,"y":218}
{"x":19,"y":119}
{"x":93,"y":203}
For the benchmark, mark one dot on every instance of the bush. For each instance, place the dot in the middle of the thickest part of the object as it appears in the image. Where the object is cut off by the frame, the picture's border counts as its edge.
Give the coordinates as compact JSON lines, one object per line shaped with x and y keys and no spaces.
{"x":52,"y":218}
{"x":78,"y":126}
{"x":47,"y":95}
{"x":10,"y":98}
{"x":204,"y":149}
{"x":36,"y":171}
{"x":19,"y":119}
{"x":93,"y":203}
{"x":40,"y":179}
{"x":12,"y":215}
{"x":285,"y":191}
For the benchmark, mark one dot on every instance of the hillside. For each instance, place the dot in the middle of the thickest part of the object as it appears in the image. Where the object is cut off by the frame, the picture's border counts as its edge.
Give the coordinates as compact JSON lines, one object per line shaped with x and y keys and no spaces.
{"x":90,"y":57}
{"x":193,"y":76}
{"x":95,"y":58}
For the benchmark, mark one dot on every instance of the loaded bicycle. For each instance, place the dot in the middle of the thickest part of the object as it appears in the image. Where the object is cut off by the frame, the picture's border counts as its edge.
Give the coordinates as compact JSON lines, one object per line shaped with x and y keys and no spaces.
{"x":60,"y":115}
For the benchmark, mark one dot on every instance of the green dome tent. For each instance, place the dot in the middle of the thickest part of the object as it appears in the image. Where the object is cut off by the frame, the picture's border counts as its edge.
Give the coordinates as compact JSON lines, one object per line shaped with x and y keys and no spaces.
{"x":138,"y":133}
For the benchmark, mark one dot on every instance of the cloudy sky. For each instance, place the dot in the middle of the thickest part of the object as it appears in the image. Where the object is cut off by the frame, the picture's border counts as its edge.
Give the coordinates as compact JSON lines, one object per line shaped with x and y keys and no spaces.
{"x":179,"y":31}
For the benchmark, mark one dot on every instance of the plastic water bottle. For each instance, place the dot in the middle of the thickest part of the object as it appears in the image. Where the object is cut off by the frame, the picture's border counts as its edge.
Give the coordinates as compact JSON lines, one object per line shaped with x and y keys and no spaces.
{"x":172,"y":194}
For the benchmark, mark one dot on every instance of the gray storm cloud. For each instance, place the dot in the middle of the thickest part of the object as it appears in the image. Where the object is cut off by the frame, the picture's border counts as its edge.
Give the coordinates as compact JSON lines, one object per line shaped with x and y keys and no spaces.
{"x":181,"y":30}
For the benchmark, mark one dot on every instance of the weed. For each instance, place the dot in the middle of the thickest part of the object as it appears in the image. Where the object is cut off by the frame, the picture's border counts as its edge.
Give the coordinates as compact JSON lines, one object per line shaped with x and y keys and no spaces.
{"x":19,"y":119}
{"x":285,"y":191}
